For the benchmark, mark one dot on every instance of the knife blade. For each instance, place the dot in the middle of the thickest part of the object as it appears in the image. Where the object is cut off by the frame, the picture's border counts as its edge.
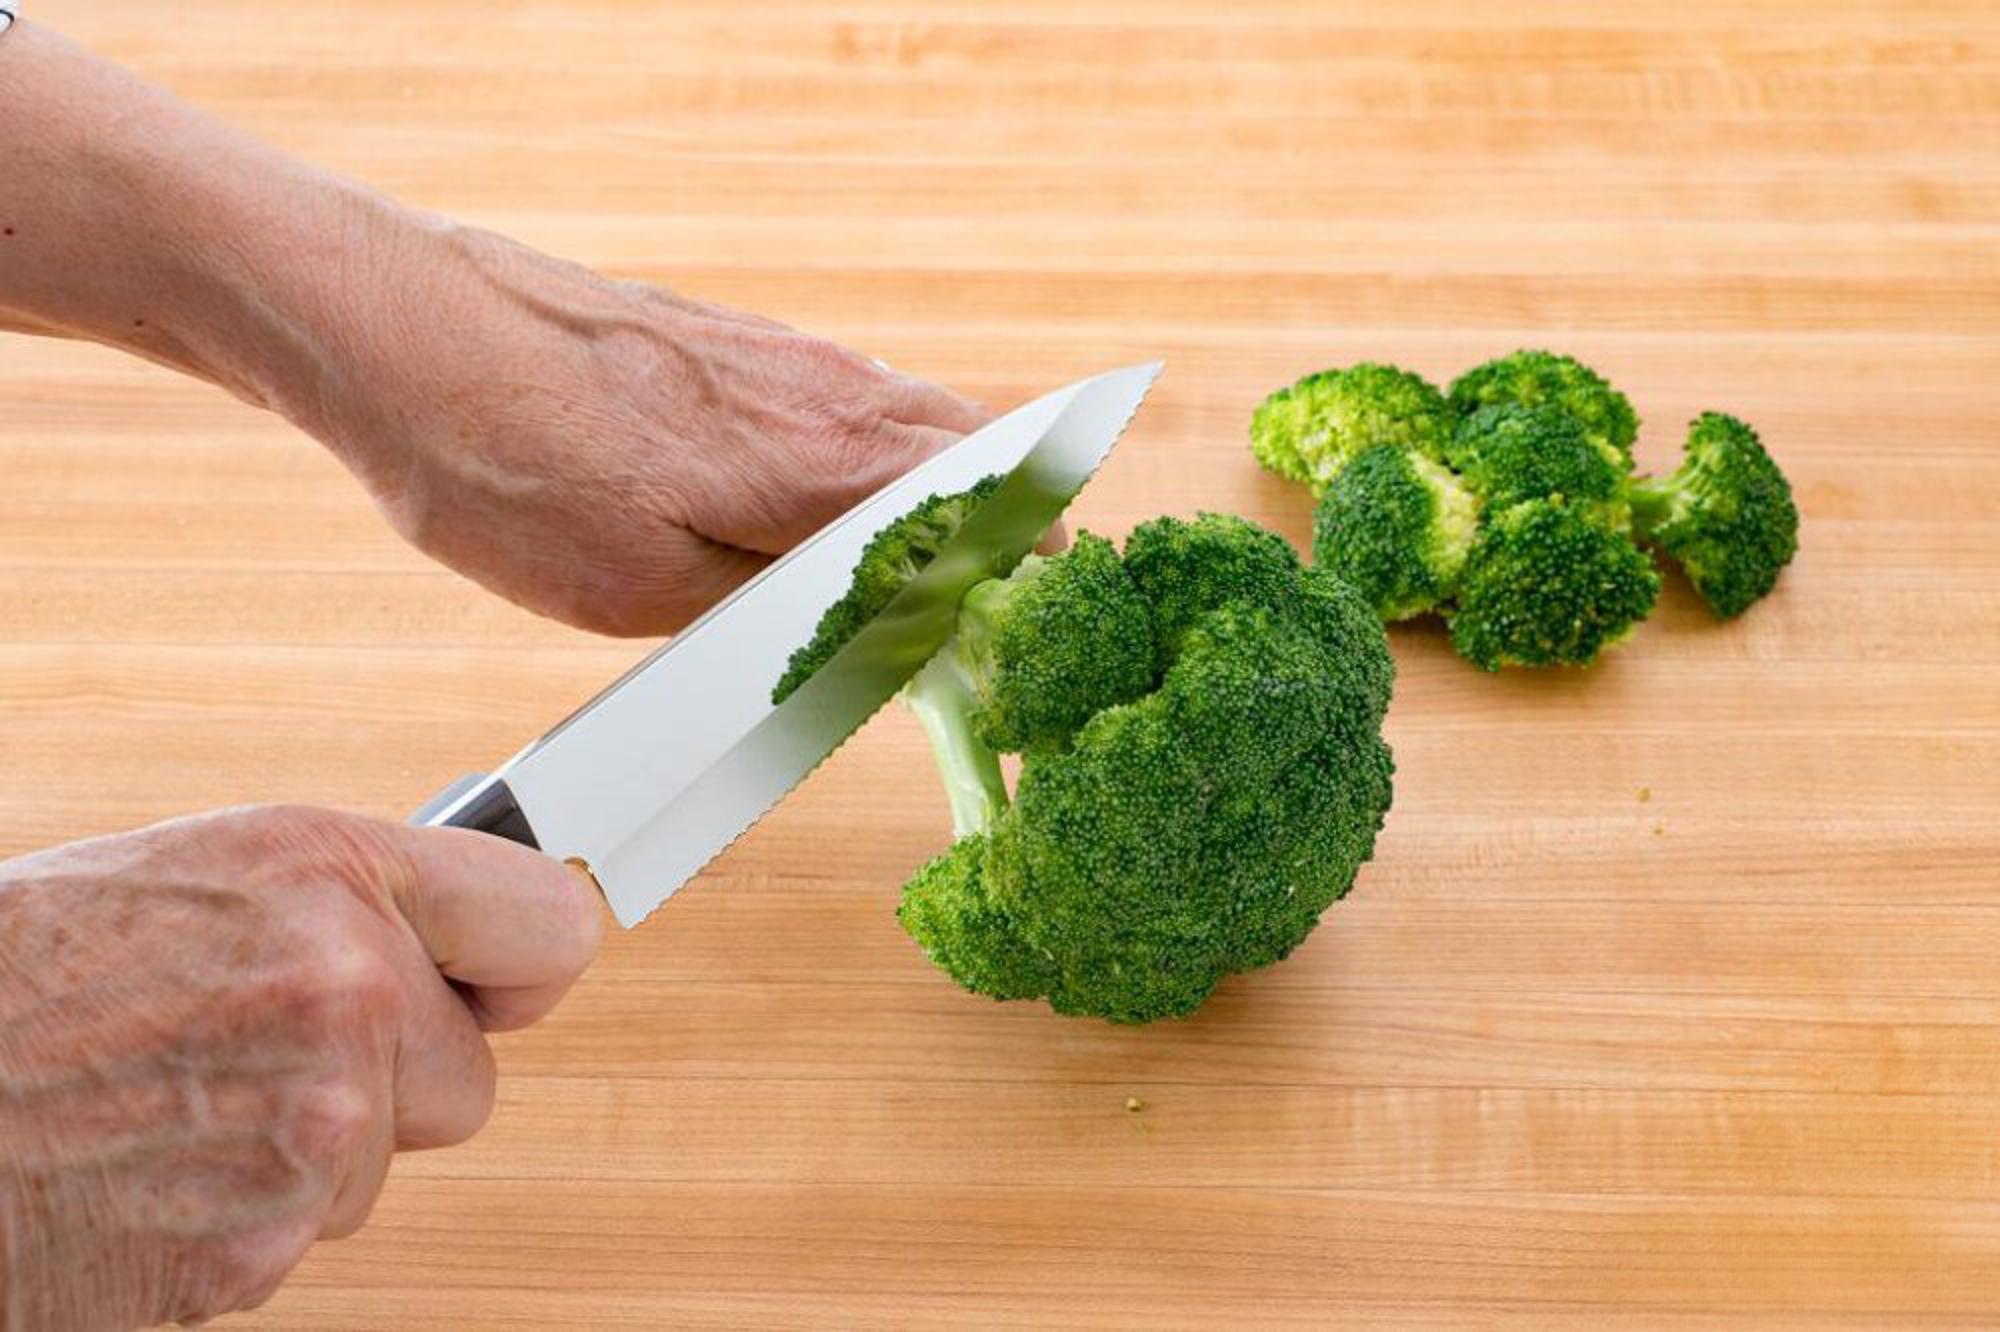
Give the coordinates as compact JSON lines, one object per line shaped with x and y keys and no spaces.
{"x":654,"y":777}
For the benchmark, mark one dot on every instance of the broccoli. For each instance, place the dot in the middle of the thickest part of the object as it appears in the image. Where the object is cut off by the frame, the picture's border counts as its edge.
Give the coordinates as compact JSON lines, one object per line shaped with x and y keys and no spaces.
{"x":1308,"y":432}
{"x":1398,"y":527}
{"x":1545,"y":586}
{"x":1726,"y":515}
{"x":1202,"y":769}
{"x":1489,"y":529}
{"x":1535,"y":378}
{"x":1510,"y":453}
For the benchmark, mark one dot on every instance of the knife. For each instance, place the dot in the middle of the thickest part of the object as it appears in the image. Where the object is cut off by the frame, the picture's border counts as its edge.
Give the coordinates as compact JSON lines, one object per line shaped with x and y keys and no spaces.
{"x":647,"y":782}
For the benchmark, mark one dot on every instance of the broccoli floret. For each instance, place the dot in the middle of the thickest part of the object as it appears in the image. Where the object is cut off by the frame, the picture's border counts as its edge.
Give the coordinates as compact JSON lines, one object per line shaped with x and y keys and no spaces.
{"x":1541,"y":378}
{"x":1184,"y":569}
{"x":1310,"y":431}
{"x":946,"y":908}
{"x":892,"y":557}
{"x":1063,"y":637}
{"x":1547,"y":586}
{"x":1726,"y":515}
{"x":1512,"y":453}
{"x":1397,"y":527}
{"x":1179,"y":817}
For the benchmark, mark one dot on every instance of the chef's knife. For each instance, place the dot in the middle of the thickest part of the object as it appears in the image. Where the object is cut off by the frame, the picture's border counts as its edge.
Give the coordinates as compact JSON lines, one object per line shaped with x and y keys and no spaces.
{"x":654,"y":777}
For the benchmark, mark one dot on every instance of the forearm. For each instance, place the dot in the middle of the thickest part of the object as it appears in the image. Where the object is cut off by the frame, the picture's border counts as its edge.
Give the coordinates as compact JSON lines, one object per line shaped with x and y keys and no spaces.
{"x":130,"y":218}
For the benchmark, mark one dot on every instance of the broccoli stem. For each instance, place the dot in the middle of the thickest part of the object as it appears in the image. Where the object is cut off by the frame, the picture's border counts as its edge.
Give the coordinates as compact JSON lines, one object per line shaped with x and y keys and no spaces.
{"x":942,"y":697}
{"x":1652,"y":499}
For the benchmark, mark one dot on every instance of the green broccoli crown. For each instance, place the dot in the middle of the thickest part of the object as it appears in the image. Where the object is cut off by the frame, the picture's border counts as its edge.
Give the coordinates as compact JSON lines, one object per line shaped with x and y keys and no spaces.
{"x":1511,"y":452}
{"x":1727,"y":515}
{"x":1397,"y":527}
{"x":1546,"y":586}
{"x":892,"y":557}
{"x":1063,"y":637}
{"x":1310,"y":431}
{"x":1196,"y":830}
{"x":1534,"y":378}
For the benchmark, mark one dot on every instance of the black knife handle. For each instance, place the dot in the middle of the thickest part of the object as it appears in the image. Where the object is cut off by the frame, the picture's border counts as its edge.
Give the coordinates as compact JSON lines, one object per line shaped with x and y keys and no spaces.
{"x":481,"y":802}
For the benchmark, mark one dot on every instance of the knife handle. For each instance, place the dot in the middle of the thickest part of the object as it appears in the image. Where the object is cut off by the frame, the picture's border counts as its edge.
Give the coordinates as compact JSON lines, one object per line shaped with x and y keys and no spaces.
{"x":481,"y":802}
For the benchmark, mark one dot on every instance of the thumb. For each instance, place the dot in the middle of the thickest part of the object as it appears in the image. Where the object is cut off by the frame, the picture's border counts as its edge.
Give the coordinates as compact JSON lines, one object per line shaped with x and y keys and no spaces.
{"x":511,"y":926}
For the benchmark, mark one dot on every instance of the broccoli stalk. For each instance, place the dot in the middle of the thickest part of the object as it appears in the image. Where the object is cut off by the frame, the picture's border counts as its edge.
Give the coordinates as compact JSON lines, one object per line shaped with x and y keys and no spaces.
{"x":945,"y":701}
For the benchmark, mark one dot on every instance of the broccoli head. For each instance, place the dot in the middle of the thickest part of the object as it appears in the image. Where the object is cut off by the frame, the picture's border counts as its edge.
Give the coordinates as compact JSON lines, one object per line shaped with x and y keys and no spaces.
{"x":1310,"y":431}
{"x":1547,"y":586}
{"x":1203,"y":772}
{"x":1539,"y":378}
{"x":1726,"y":515}
{"x":892,"y":557}
{"x":1397,"y":527}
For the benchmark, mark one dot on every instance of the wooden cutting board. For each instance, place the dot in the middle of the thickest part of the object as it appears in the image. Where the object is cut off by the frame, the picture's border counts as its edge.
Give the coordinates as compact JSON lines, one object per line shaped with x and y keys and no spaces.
{"x":1671,"y":995}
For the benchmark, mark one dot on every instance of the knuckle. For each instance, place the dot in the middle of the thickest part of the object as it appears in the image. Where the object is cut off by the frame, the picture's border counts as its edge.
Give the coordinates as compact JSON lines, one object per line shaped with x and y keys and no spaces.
{"x":244,"y":1269}
{"x":339,"y":985}
{"x":334,"y":1122}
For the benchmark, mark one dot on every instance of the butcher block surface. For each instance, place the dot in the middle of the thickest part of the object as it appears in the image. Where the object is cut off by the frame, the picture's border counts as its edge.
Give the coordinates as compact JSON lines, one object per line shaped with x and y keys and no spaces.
{"x":1672,"y":995}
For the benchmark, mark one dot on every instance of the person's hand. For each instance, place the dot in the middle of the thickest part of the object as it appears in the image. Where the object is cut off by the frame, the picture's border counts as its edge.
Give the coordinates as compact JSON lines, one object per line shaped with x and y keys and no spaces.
{"x":214,"y":1032}
{"x":604,"y":452}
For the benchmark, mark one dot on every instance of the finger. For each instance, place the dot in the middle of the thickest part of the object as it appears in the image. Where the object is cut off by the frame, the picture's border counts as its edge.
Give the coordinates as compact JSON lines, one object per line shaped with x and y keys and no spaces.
{"x":511,"y":925}
{"x":683,"y":574}
{"x":721,"y":570}
{"x":915,"y":443}
{"x":918,"y":402}
{"x":1053,"y":541}
{"x":444,"y":1075}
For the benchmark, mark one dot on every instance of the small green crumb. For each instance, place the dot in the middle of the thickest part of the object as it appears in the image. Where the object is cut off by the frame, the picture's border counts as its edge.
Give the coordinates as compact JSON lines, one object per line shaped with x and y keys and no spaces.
{"x":1133,"y":1105}
{"x":1645,"y":794}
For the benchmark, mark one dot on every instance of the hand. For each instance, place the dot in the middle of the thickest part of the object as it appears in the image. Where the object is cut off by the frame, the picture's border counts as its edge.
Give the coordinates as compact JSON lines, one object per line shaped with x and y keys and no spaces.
{"x":599,"y":451}
{"x":214,"y":1032}
{"x":603,"y":452}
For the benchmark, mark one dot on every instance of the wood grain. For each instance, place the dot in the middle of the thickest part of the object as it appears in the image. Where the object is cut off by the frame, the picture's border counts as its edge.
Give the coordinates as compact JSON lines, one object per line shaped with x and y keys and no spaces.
{"x":1725,"y":1056}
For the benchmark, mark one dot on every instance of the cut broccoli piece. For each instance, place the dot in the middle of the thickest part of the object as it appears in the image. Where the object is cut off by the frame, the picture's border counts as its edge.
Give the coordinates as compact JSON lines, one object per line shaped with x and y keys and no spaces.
{"x":1726,"y":515}
{"x":1310,"y":431}
{"x":1541,"y":378}
{"x":1546,"y":586}
{"x":1510,"y":453}
{"x":1062,"y":638}
{"x":892,"y":557}
{"x":1397,"y":527}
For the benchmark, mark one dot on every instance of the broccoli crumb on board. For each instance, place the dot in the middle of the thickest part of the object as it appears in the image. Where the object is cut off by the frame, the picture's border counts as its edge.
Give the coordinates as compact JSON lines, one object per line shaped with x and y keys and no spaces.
{"x":1133,"y":1105}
